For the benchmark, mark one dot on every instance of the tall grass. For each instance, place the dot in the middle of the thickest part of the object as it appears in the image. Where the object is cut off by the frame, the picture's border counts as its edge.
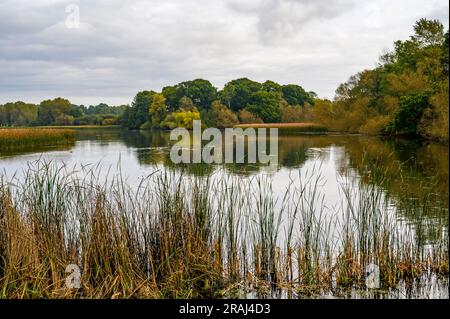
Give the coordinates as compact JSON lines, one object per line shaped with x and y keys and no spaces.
{"x":20,"y":138}
{"x":179,"y":236}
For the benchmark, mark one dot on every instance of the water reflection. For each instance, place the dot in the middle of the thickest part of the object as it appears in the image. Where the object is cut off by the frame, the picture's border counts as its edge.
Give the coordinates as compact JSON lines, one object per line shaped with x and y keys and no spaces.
{"x":416,"y":169}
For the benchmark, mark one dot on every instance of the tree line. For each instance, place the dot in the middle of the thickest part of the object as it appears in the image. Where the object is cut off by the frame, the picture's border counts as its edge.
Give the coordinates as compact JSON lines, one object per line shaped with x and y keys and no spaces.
{"x":240,"y":101}
{"x":58,"y":111}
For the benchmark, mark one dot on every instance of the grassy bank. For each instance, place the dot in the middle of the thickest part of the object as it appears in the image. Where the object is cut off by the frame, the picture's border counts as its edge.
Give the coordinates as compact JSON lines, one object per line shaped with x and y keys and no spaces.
{"x":288,"y":127}
{"x":171,"y":237}
{"x":22,"y":138}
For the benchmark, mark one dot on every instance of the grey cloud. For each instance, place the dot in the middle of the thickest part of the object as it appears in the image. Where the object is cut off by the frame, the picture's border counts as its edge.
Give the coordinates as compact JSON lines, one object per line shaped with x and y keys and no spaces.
{"x":124,"y":46}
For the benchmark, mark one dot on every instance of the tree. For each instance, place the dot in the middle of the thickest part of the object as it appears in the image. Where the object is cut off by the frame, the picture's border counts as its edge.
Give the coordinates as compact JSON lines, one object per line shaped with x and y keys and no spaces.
{"x":139,"y":113}
{"x":408,"y":115}
{"x":50,"y":110}
{"x":18,"y":114}
{"x":237,"y":94}
{"x":158,"y":110}
{"x":428,"y":33}
{"x":200,"y":91}
{"x":186,"y":104}
{"x":271,"y":86}
{"x":266,"y":105}
{"x":221,"y":116}
{"x":296,"y":95}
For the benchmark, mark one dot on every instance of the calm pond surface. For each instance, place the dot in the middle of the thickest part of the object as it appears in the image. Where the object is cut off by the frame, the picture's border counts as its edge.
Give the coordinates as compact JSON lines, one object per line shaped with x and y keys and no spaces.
{"x":414,"y":167}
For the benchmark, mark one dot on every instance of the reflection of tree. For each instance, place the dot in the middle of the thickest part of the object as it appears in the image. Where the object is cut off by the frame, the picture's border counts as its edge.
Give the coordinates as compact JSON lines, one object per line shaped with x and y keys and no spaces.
{"x":37,"y":149}
{"x":414,"y":168}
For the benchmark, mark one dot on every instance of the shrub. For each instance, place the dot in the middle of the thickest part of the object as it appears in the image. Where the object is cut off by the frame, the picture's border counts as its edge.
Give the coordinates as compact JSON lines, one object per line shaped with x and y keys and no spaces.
{"x":376,"y":125}
{"x":409,"y":113}
{"x":246,"y":117}
{"x":221,"y":116}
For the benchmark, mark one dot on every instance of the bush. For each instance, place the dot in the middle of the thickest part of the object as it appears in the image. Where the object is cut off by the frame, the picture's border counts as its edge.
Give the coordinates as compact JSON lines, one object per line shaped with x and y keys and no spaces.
{"x":181,"y":119}
{"x":246,"y":117}
{"x":409,"y":113}
{"x":291,"y":114}
{"x":376,"y":125}
{"x":221,"y":116}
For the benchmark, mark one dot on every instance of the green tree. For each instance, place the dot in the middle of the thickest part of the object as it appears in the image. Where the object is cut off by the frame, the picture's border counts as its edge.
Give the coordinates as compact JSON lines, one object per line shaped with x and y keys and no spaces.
{"x":271,"y":86}
{"x":200,"y":91}
{"x":266,"y":105}
{"x":237,"y":94}
{"x":18,"y":114}
{"x":139,"y":113}
{"x":409,"y":113}
{"x":50,"y":110}
{"x":296,"y":95}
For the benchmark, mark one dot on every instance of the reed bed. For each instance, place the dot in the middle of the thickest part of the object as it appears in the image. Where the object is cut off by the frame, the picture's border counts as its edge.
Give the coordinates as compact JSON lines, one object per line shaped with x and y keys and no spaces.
{"x":22,"y":138}
{"x":288,"y":127}
{"x":178,"y":236}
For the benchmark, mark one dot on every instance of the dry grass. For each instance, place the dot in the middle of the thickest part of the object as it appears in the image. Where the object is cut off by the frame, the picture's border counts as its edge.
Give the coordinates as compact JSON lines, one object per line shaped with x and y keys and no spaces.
{"x":14,"y":139}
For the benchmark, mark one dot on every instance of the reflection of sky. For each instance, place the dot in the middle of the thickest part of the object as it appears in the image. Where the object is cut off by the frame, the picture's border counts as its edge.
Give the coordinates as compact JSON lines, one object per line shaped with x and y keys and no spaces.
{"x":307,"y":156}
{"x":111,"y":154}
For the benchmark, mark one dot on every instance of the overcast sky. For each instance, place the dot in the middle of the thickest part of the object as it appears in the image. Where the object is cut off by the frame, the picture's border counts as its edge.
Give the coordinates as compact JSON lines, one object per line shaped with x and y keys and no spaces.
{"x":124,"y":46}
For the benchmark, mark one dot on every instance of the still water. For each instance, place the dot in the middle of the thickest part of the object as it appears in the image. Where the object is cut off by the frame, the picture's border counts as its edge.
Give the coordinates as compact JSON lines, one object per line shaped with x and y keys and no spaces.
{"x":414,"y":167}
{"x":420,"y":165}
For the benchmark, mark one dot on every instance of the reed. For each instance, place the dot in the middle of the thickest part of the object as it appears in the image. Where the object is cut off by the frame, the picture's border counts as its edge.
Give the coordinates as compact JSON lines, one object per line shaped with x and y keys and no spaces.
{"x":23,"y":138}
{"x":178,"y":236}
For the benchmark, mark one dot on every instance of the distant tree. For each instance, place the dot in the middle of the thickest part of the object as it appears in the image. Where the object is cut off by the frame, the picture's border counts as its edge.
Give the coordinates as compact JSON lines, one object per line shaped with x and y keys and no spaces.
{"x":296,"y":95}
{"x":17,"y":114}
{"x":186,"y":104}
{"x":158,"y":110}
{"x":200,"y":91}
{"x":271,"y":86}
{"x":237,"y":94}
{"x":221,"y":116}
{"x":50,"y":110}
{"x":266,"y":105}
{"x":140,"y":106}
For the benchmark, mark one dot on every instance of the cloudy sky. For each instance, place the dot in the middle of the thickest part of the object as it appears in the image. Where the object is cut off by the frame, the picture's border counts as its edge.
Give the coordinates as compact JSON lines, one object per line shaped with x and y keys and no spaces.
{"x":123,"y":46}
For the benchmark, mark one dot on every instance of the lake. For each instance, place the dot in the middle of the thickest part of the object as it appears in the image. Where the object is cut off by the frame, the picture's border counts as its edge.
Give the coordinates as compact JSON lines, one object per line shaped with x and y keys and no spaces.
{"x":337,"y":165}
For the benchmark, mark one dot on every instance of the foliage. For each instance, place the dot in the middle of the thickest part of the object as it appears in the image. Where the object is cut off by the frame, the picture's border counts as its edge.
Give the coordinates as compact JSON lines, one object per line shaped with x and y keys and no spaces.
{"x":18,"y":114}
{"x":158,"y":110}
{"x":296,"y":95}
{"x":181,"y":119}
{"x":407,"y":116}
{"x":200,"y":91}
{"x":405,"y":94}
{"x":237,"y":94}
{"x":247,"y":117}
{"x":266,"y":105}
{"x":50,"y":110}
{"x":221,"y":116}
